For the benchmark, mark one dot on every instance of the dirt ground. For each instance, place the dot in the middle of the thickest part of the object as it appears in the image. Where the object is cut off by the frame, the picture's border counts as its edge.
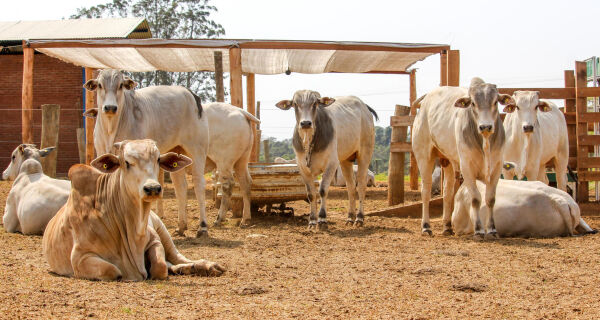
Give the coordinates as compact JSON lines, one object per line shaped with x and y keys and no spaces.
{"x":277,"y":269}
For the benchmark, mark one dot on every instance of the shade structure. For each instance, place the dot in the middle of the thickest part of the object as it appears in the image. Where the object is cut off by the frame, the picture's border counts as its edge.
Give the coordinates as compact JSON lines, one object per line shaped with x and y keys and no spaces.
{"x":258,"y":56}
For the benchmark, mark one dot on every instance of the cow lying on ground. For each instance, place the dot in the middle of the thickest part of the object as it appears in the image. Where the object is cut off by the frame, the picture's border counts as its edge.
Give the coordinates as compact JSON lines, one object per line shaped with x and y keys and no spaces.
{"x":331,"y":132}
{"x":106,"y":230}
{"x":34,"y":198}
{"x":523,"y":209}
{"x":339,"y":181}
{"x":536,"y":133}
{"x":282,"y":160}
{"x":462,"y":127}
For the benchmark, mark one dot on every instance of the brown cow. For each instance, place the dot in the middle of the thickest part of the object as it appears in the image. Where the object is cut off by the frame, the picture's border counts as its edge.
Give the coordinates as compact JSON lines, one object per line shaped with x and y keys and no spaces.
{"x":106,"y":230}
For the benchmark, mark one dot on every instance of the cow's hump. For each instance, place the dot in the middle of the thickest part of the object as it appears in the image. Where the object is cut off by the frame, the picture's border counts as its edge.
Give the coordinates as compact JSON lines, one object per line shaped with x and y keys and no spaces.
{"x":83,"y":179}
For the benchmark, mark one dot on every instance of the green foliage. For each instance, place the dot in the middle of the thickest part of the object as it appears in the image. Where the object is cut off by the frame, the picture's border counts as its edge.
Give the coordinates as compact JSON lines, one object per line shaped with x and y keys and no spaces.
{"x":180,"y":19}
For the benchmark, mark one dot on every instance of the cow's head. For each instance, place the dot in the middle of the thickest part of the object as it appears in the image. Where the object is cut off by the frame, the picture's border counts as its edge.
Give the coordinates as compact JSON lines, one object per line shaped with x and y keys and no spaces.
{"x":19,"y":155}
{"x":110,"y":86}
{"x":526,"y":105}
{"x":305,"y":104}
{"x":483,"y":100}
{"x":139,"y":162}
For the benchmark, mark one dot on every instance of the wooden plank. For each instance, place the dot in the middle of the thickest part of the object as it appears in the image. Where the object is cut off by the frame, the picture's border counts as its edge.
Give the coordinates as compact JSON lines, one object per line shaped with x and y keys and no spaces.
{"x":414,"y":170}
{"x":401,"y":121}
{"x":581,"y":130}
{"x":572,"y":162}
{"x":585,"y":176}
{"x":589,"y":140}
{"x":589,"y":162}
{"x":50,"y":125}
{"x":396,"y":164}
{"x":588,"y":92}
{"x":590,"y":208}
{"x":376,"y":72}
{"x":400,"y":146}
{"x":218,"y":55}
{"x":251,"y":108}
{"x":570,"y":117}
{"x":235,"y":77}
{"x":589,"y":117}
{"x":27,"y":96}
{"x":444,"y":68}
{"x":545,"y":93}
{"x":453,"y":68}
{"x":81,"y":144}
{"x":412,"y":210}
{"x":571,"y":122}
{"x":90,"y":123}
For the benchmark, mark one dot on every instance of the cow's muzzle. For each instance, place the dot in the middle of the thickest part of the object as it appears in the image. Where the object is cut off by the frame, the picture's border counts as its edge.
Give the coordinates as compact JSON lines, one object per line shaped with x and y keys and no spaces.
{"x":152,"y":190}
{"x":110,"y":109}
{"x":485,"y":128}
{"x":528,"y":128}
{"x":306,"y":124}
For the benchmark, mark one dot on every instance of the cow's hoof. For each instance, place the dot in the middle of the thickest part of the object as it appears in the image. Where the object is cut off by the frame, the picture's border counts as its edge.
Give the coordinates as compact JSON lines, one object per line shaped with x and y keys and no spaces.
{"x":312,"y":225}
{"x":323,"y":226}
{"x":491,"y":235}
{"x":427,"y":232}
{"x":202,"y":268}
{"x":245,"y":223}
{"x":178,"y":233}
{"x":448,"y":232}
{"x":478,"y":237}
{"x":594,"y":231}
{"x":359,"y":223}
{"x":202,"y":234}
{"x":349,"y":222}
{"x":217,"y":223}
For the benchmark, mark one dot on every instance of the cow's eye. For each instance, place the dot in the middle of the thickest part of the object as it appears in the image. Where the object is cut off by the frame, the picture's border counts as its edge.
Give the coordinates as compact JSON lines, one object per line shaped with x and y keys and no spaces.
{"x":127,"y":164}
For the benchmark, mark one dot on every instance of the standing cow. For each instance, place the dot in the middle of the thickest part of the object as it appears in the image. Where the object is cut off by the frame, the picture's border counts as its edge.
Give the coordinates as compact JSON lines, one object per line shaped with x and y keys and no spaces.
{"x":327,"y":132}
{"x":462,"y":127}
{"x":170,"y":115}
{"x":536,"y":133}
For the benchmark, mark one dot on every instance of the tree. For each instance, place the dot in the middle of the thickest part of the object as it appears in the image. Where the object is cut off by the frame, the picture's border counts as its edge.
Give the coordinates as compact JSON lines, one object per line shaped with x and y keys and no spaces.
{"x":181,"y":19}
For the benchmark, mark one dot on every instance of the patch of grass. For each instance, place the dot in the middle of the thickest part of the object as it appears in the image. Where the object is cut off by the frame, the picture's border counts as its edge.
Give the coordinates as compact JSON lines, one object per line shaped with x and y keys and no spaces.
{"x":126,"y":310}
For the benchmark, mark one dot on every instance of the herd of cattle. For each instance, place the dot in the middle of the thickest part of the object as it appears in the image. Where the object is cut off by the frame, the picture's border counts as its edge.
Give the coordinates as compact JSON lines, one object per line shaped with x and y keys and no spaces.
{"x":99,"y":225}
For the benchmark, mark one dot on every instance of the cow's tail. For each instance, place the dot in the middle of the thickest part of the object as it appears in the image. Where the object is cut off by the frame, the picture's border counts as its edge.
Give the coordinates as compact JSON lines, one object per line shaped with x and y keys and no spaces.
{"x":418,"y":101}
{"x":198,"y":103}
{"x":572,"y":174}
{"x":249,"y":116}
{"x":373,"y":112}
{"x":171,"y":253}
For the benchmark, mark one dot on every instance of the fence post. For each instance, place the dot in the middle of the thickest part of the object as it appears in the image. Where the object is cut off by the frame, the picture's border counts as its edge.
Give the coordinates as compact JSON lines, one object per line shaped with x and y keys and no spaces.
{"x":50,"y":125}
{"x":396,"y":165}
{"x":81,"y":144}
{"x":582,"y":150}
{"x":27,"y":95}
{"x":414,"y":170}
{"x":218,"y":55}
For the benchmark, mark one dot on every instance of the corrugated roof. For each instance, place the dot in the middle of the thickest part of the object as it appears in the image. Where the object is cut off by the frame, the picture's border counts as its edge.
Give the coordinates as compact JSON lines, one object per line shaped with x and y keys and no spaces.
{"x":75,"y":29}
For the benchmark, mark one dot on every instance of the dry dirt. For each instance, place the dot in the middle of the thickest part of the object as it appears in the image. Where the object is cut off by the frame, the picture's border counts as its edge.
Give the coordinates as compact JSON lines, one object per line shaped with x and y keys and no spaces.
{"x":277,"y":269}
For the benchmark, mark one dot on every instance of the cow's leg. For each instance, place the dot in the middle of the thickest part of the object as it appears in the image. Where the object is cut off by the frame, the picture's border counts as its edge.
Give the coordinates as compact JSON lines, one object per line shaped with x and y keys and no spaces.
{"x":328,"y":175}
{"x":448,"y":199}
{"x":160,"y":210}
{"x":180,"y":185}
{"x":311,"y":192}
{"x":470,"y":184}
{"x":88,"y":265}
{"x":348,"y":173}
{"x":490,"y":201}
{"x":560,"y":167}
{"x":226,"y":179}
{"x":361,"y":176}
{"x":426,"y":170}
{"x":199,"y":267}
{"x":155,"y":256}
{"x":245,"y":181}
{"x":199,"y":189}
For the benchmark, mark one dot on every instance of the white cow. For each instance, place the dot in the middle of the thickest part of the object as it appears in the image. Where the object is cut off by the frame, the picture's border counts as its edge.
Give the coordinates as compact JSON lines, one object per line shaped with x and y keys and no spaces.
{"x":331,"y":132}
{"x":339,"y":181}
{"x":525,"y":209}
{"x":34,"y":198}
{"x":462,"y":127}
{"x":282,"y":160}
{"x":536,"y":133}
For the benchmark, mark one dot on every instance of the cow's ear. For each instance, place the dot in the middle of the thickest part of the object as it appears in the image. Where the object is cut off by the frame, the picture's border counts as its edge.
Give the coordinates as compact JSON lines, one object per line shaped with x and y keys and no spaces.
{"x":46,"y":151}
{"x":128,"y":83}
{"x":463,"y":102}
{"x":91,"y":84}
{"x":543,"y":106}
{"x":284,"y":104}
{"x":22,"y":147}
{"x":173,"y":162}
{"x":91,"y":113}
{"x":506,"y":99}
{"x":106,"y":163}
{"x":510,"y":108}
{"x":326,"y":101}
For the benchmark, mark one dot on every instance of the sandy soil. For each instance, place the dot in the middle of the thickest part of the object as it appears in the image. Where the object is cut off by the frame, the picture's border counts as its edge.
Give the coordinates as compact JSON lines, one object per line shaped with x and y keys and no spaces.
{"x":277,"y":269}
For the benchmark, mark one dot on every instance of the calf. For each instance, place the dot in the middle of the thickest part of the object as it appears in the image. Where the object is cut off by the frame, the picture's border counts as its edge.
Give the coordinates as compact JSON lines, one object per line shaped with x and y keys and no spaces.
{"x":462,"y":127}
{"x":329,"y":132}
{"x":106,"y":230}
{"x":34,"y":198}
{"x":536,"y":133}
{"x":524,"y":208}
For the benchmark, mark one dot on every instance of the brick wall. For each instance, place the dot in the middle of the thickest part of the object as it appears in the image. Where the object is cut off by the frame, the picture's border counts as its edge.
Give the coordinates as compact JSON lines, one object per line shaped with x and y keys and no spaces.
{"x":54,"y":82}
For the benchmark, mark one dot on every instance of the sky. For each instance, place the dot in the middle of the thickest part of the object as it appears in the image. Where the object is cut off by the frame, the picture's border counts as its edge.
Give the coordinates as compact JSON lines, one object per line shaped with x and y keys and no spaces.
{"x":509,"y":43}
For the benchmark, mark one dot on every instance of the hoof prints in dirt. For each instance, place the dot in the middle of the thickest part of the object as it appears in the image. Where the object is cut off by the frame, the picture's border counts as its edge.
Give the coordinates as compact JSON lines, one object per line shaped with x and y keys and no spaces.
{"x":250,"y":290}
{"x":469,"y":287}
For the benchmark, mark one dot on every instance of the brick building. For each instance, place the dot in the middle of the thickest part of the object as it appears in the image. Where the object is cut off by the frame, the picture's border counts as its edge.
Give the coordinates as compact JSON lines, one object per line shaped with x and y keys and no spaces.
{"x":54,"y":81}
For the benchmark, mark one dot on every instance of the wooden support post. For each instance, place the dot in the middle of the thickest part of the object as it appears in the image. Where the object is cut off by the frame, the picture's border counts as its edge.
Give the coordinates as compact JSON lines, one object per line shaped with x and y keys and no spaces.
{"x":81,"y":144}
{"x":258,"y":133}
{"x":582,"y":150}
{"x":250,"y":105}
{"x":414,"y":170}
{"x":50,"y":125}
{"x":453,"y":68}
{"x":266,"y":150}
{"x":571,"y":125}
{"x":27,"y":95}
{"x":444,"y":68}
{"x":90,"y":123}
{"x":396,"y":164}
{"x":219,"y":76}
{"x":235,"y":77}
